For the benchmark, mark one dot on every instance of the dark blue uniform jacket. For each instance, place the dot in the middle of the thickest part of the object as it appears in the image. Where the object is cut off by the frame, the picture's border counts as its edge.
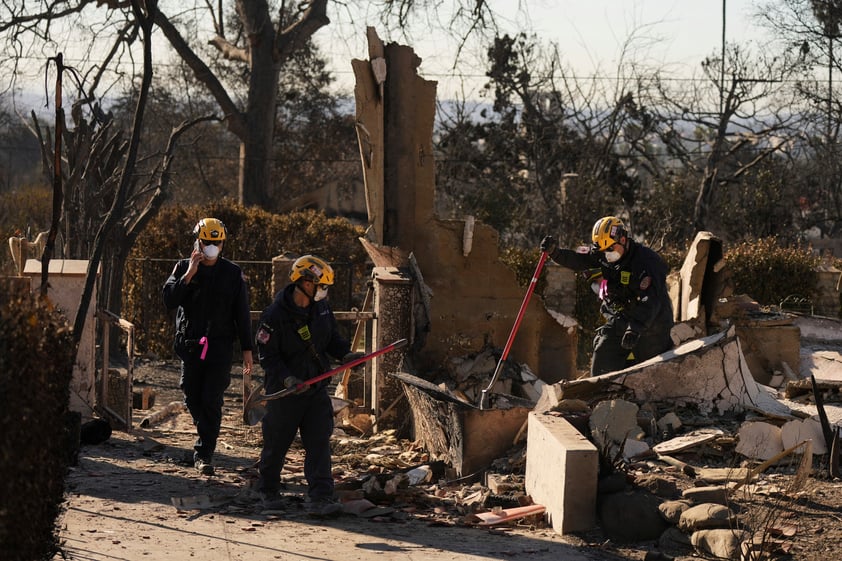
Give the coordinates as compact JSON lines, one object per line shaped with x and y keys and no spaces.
{"x":293,"y":341}
{"x":634,"y":289}
{"x":214,"y":304}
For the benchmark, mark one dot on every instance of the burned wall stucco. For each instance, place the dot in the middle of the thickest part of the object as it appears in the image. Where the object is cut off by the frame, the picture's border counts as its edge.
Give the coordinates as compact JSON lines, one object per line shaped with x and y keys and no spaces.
{"x":474,"y":296}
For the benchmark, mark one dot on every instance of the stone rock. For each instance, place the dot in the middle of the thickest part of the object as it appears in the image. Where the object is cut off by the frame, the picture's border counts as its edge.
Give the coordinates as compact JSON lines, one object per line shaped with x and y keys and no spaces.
{"x":657,"y":485}
{"x":669,"y":422}
{"x":631,"y":516}
{"x":711,"y":494}
{"x":671,"y":510}
{"x":722,"y":475}
{"x":674,"y":540}
{"x":706,"y":516}
{"x":631,"y":448}
{"x":613,"y":483}
{"x":720,"y":543}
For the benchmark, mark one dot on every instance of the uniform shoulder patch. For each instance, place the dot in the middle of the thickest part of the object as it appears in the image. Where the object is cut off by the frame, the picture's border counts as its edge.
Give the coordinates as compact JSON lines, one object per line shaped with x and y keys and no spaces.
{"x":264,"y":334}
{"x":645,"y":282}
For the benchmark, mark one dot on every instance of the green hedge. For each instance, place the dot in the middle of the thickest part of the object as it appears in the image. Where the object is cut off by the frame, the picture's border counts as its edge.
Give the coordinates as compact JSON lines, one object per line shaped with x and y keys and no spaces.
{"x":769,"y":271}
{"x":36,"y":362}
{"x":254,"y":235}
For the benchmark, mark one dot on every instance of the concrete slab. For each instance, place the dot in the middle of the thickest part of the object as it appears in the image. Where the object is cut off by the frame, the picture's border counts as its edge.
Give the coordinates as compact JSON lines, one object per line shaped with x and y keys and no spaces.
{"x":759,"y":440}
{"x":615,"y":421}
{"x":824,"y":364}
{"x":687,"y":441}
{"x":833,"y":410}
{"x":710,"y":372}
{"x":561,"y":472}
{"x":799,"y":430}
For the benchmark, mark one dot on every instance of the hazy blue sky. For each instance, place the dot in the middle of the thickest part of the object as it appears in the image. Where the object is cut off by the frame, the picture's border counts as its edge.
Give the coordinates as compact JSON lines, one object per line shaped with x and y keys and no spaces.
{"x":671,"y":34}
{"x":590,"y":34}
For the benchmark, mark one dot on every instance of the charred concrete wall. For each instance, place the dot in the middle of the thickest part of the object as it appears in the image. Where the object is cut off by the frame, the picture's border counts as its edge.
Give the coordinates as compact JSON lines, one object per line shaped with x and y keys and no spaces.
{"x":475,"y":297}
{"x":475,"y":303}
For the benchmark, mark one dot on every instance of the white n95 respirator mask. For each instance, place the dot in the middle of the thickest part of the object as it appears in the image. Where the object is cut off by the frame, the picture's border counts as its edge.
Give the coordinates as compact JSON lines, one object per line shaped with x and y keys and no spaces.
{"x":211,"y":251}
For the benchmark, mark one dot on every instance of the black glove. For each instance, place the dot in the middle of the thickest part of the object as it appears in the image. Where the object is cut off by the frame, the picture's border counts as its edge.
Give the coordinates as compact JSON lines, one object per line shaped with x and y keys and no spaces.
{"x":630,"y":338}
{"x":549,"y":244}
{"x":296,"y":383}
{"x":352,"y":356}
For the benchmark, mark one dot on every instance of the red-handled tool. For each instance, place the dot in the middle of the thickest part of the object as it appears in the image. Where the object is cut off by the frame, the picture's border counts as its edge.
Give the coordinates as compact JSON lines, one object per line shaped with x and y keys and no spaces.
{"x":484,"y":396}
{"x":253,"y":412}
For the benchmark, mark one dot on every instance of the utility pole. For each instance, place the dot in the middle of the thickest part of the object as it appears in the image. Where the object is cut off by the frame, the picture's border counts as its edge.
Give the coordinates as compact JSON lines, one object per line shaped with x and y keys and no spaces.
{"x":722,"y":65}
{"x":830,"y":37}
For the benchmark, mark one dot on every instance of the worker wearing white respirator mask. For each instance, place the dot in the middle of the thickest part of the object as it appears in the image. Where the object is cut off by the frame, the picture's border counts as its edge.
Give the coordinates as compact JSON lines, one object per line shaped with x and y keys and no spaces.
{"x":296,"y":338}
{"x":210,"y":296}
{"x":630,"y":280}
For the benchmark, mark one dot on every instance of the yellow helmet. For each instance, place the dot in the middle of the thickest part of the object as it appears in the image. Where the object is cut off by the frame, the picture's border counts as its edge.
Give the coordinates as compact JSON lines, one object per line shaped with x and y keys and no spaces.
{"x":607,"y":231}
{"x":310,"y":267}
{"x":210,"y":229}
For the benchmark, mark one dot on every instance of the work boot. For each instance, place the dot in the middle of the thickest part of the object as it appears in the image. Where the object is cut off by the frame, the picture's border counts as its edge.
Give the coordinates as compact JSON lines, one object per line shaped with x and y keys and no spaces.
{"x":203,"y":466}
{"x":323,"y":508}
{"x":272,"y":500}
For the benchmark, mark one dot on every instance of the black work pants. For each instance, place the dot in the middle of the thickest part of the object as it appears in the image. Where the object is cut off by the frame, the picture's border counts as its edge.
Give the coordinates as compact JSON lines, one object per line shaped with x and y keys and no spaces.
{"x":203,"y":384}
{"x":312,"y":416}
{"x":610,"y":356}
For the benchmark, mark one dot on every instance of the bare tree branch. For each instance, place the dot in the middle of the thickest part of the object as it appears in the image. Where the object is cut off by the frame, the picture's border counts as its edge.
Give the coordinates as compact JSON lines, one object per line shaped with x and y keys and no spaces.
{"x":229,"y":51}
{"x":233,"y":116}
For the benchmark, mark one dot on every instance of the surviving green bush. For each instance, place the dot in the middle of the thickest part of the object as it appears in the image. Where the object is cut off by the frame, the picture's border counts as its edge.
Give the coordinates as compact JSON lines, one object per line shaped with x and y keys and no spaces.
{"x":36,"y":362}
{"x":254,"y":235}
{"x":769,"y":271}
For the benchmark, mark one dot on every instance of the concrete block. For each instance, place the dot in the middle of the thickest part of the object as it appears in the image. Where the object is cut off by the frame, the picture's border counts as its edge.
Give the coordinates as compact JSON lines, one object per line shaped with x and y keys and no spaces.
{"x":759,"y":440}
{"x":561,"y":472}
{"x":799,"y":430}
{"x":615,"y":421}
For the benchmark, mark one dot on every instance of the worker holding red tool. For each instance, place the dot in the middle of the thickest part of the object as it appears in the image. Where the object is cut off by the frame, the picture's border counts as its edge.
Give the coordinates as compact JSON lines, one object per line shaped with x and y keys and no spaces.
{"x":632,"y":287}
{"x":295,"y":338}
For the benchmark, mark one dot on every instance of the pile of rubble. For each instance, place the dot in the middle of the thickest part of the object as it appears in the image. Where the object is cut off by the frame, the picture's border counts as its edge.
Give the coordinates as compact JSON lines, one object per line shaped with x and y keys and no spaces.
{"x":686,"y":441}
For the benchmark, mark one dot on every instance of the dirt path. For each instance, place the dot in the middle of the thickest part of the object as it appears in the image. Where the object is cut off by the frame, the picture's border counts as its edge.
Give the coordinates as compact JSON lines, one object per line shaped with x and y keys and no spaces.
{"x":122,"y":501}
{"x":121,"y":507}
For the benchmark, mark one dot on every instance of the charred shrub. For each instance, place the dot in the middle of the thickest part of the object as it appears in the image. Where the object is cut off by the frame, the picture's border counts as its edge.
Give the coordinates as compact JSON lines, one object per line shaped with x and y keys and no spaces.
{"x":36,"y":362}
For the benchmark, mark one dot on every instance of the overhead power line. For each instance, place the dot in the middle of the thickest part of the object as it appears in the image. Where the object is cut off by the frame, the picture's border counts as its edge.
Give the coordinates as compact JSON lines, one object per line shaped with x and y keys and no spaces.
{"x":465,"y":75}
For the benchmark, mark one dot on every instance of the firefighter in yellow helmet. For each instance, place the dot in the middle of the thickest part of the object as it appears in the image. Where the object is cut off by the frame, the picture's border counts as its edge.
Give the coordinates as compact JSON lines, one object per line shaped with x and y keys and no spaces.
{"x":211,"y":299}
{"x":296,"y":337}
{"x":632,"y":288}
